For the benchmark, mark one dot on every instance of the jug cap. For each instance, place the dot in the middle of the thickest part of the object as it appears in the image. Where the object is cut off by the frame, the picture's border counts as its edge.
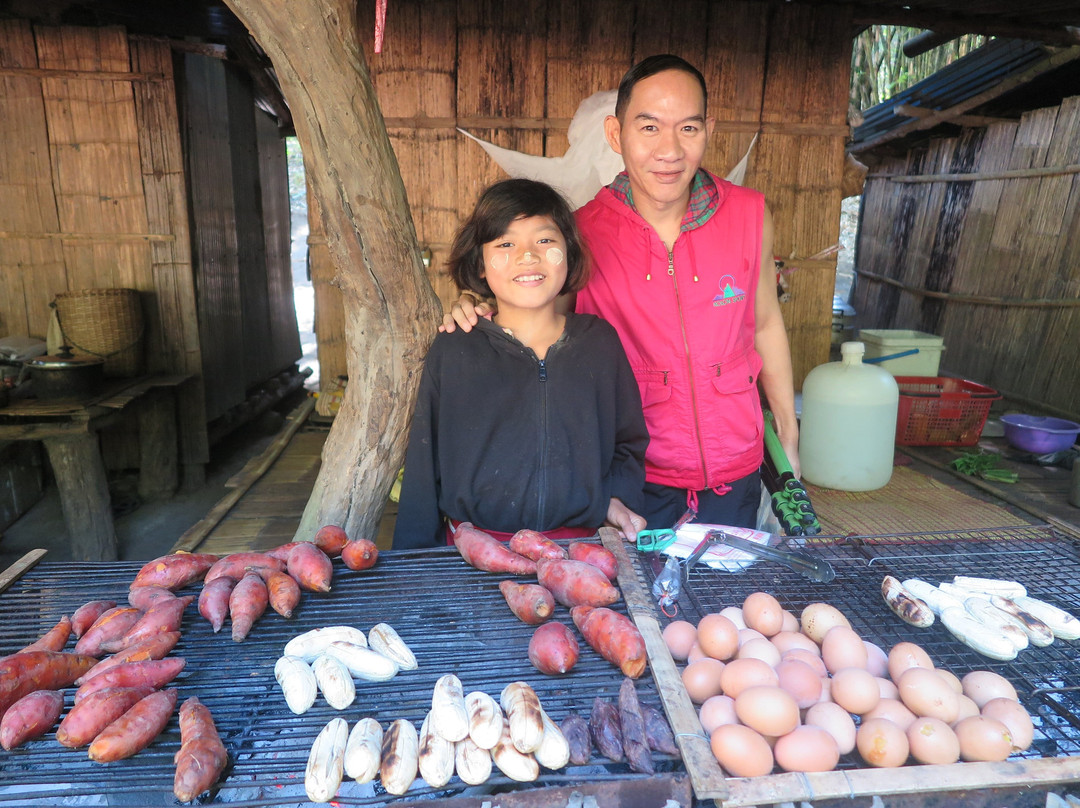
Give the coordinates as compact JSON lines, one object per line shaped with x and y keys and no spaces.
{"x":852,"y":352}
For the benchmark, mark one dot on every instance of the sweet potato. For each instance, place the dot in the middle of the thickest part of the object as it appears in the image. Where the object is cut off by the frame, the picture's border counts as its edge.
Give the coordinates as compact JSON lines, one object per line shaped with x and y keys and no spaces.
{"x":605,"y":730}
{"x":21,"y":674}
{"x":202,"y":756}
{"x":575,"y":583}
{"x":30,"y":717}
{"x":156,"y":647}
{"x":360,"y":554}
{"x":311,"y":567}
{"x":153,"y":673}
{"x":174,"y":571}
{"x":281,"y":552}
{"x":632,"y":724}
{"x":535,"y":545}
{"x":658,"y":731}
{"x":553,"y":649}
{"x":331,"y":539}
{"x":54,"y":639}
{"x":164,"y":616}
{"x":95,"y":712}
{"x":597,"y":555}
{"x":283,"y":592}
{"x":214,"y":601}
{"x":613,"y":636}
{"x":136,"y":729}
{"x":107,"y":629}
{"x":86,"y":614}
{"x":143,"y":597}
{"x":247,"y":602}
{"x":576,"y":731}
{"x":530,"y":603}
{"x":485,"y":552}
{"x":235,"y":565}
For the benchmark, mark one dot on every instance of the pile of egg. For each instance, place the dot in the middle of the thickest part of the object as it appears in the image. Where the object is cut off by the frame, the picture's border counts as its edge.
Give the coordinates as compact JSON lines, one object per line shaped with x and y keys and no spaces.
{"x":774,"y":689}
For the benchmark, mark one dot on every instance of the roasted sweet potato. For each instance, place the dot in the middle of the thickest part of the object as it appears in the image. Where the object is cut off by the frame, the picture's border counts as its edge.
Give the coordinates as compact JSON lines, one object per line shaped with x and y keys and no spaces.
{"x":283,"y":592}
{"x":553,"y":649}
{"x":107,"y":629}
{"x":21,"y":674}
{"x":613,"y":636}
{"x":247,"y":602}
{"x":143,"y":597}
{"x":360,"y":554}
{"x":597,"y":555}
{"x":136,"y":729}
{"x":214,"y":601}
{"x":30,"y":717}
{"x":632,"y":724}
{"x":156,"y":647}
{"x":658,"y":731}
{"x":605,"y":730}
{"x":576,"y":731}
{"x":281,"y":552}
{"x":484,"y":552}
{"x":153,"y":673}
{"x":235,"y":565}
{"x":331,"y":539}
{"x":311,"y":567}
{"x":164,"y":616}
{"x":202,"y":756}
{"x":535,"y":545}
{"x":575,"y":583}
{"x":174,"y":571}
{"x":530,"y":603}
{"x":87,"y":614}
{"x":95,"y":712}
{"x":54,"y":639}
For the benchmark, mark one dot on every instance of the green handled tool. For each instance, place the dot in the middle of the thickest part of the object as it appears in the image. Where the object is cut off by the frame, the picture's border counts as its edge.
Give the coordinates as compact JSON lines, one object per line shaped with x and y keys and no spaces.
{"x":790,"y":500}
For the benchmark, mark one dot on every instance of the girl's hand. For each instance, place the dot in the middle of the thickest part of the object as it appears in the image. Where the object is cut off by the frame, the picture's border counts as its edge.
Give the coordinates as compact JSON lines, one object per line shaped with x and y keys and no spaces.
{"x":465,"y":312}
{"x":624,"y":520}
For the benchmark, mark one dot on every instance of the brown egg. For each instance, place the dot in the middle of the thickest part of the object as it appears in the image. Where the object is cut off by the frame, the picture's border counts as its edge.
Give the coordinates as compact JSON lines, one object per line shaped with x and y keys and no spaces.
{"x":735,"y":615}
{"x":886,"y":688}
{"x":855,"y":690}
{"x":768,"y":710}
{"x":811,"y":659}
{"x":982,"y":686}
{"x":696,"y":653}
{"x":801,"y":681}
{"x":806,"y":749}
{"x":906,"y":655}
{"x":717,"y":636}
{"x":790,"y":640}
{"x":747,"y":634}
{"x":739,"y":674}
{"x":933,"y":741}
{"x":762,"y":612}
{"x":882,"y":743}
{"x":836,"y":721}
{"x":951,"y":678}
{"x":818,"y":618}
{"x":925,"y":693}
{"x":826,"y":691}
{"x":877,"y":661}
{"x":968,"y":708}
{"x":716,"y":711}
{"x":679,"y":637}
{"x":843,"y":648}
{"x":740,"y":751}
{"x":1013,"y":715}
{"x":892,"y":710}
{"x":759,"y":648}
{"x":983,"y":739}
{"x":702,"y":679}
{"x":789,"y":622}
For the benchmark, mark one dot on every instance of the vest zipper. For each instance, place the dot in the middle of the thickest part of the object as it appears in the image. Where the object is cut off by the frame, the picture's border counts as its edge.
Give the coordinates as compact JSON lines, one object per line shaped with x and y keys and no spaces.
{"x":689,"y":368}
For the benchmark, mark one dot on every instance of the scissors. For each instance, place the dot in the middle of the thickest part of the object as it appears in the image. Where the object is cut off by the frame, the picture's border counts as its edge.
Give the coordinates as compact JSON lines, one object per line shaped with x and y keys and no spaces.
{"x":655,"y":541}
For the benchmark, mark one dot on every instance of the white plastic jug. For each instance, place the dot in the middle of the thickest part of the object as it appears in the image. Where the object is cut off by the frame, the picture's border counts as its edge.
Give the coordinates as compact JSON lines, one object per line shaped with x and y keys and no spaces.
{"x":848,"y":426}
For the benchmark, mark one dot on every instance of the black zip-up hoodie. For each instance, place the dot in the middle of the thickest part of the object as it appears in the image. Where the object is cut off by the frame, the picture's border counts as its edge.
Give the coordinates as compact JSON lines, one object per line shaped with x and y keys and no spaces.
{"x":506,"y":441}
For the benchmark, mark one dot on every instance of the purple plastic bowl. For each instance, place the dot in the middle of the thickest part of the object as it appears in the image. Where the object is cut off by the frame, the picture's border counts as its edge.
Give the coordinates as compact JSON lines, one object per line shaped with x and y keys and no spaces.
{"x":1039,"y":434}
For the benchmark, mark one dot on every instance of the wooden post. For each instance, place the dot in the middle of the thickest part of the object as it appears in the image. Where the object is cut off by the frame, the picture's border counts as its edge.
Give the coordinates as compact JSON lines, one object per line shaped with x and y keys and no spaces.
{"x":158,"y":473}
{"x":84,"y":495}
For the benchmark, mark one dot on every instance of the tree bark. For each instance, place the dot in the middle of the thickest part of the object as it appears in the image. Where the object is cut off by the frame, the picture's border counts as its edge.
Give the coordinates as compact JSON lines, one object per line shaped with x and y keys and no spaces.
{"x":391,"y":311}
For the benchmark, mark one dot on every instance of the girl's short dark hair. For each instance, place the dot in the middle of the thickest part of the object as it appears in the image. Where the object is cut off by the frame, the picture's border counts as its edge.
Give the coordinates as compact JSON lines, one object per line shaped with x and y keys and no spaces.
{"x":498,"y":206}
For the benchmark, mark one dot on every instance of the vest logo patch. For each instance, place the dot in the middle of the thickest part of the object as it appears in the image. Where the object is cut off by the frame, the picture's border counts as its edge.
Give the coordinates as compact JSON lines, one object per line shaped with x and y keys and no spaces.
{"x":729,"y":292}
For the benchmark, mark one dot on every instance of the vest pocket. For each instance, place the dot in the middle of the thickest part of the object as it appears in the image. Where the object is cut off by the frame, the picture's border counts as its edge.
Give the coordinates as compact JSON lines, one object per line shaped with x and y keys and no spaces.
{"x":735,"y":374}
{"x":655,"y":386}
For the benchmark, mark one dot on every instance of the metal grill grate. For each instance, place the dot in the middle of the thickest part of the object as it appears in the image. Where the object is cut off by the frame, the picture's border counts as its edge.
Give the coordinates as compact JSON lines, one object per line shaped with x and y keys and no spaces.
{"x":1044,"y":560}
{"x":452,"y":616}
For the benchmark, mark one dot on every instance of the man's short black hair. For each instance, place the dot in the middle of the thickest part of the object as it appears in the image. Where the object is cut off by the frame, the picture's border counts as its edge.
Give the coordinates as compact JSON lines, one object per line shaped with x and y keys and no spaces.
{"x":650,"y":66}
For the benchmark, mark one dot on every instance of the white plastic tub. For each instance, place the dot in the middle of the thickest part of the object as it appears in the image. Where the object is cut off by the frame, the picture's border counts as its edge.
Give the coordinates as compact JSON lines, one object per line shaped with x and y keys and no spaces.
{"x":886,"y":342}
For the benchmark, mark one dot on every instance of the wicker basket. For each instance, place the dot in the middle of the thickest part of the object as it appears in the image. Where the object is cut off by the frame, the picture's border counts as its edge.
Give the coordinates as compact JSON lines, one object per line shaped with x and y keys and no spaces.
{"x":106,"y":323}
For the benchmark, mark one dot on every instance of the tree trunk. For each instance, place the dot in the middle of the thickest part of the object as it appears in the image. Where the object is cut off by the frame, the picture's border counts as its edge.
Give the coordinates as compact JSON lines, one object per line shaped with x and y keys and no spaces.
{"x":391,"y":311}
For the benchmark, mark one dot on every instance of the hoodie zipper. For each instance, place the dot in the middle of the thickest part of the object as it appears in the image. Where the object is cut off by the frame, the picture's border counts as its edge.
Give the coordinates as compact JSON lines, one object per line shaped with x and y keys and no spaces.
{"x":541,"y":503}
{"x":689,"y":366}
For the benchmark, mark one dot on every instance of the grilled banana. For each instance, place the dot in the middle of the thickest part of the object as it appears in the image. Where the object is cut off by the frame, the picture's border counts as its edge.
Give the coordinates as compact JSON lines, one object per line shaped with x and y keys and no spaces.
{"x":514,"y":764}
{"x":312,"y":643}
{"x":363,"y":663}
{"x":1038,"y":632}
{"x":485,"y":719}
{"x":997,"y":620}
{"x":436,"y":756}
{"x":990,"y":586}
{"x":386,"y":641}
{"x":554,"y":750}
{"x":960,"y":593}
{"x":400,"y":751}
{"x":449,"y":717}
{"x":931,"y":595}
{"x":524,"y":717}
{"x":975,"y":635}
{"x":334,"y":681}
{"x":473,"y":763}
{"x":1063,"y":624}
{"x":297,"y":682}
{"x":363,"y":752}
{"x":326,"y":761}
{"x":904,"y":604}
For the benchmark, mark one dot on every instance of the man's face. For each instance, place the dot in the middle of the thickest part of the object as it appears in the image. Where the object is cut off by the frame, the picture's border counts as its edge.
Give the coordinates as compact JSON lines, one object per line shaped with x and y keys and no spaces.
{"x":662,"y":139}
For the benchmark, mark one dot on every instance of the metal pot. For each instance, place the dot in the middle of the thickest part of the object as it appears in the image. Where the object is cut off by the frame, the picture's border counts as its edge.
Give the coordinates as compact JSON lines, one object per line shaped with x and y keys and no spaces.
{"x":65,"y":375}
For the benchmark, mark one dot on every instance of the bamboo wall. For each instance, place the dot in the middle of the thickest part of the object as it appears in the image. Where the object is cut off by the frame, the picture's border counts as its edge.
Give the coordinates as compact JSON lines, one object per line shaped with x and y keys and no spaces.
{"x":780,"y":70}
{"x":998,"y":255}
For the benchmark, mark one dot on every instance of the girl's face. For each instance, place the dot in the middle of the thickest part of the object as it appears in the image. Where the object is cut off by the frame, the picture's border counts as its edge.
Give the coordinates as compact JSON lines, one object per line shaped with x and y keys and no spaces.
{"x":526,"y":266}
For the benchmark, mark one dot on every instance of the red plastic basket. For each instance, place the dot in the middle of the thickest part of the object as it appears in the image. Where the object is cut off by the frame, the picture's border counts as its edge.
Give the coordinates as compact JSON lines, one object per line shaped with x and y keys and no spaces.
{"x":938,"y":411}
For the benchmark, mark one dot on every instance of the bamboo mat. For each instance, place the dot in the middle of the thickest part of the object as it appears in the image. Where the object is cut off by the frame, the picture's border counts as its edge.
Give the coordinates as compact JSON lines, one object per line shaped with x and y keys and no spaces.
{"x":912,"y":502}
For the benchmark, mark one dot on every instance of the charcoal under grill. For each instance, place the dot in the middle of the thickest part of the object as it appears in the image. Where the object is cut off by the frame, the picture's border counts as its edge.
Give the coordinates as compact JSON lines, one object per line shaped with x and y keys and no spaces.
{"x":452,"y":616}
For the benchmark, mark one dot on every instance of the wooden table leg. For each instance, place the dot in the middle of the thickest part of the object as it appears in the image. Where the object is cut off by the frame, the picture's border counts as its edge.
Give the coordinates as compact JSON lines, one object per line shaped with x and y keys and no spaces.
{"x":158,"y":473}
{"x":84,"y":496}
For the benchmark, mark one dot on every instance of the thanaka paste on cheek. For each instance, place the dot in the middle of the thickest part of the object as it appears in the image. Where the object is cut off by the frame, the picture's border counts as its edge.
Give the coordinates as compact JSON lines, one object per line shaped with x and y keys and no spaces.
{"x":499,"y":260}
{"x":554,"y":256}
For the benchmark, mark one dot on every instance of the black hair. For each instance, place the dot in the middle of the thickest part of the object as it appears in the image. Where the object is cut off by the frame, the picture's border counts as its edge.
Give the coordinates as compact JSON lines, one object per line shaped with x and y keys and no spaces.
{"x":497,"y":207}
{"x":650,"y":66}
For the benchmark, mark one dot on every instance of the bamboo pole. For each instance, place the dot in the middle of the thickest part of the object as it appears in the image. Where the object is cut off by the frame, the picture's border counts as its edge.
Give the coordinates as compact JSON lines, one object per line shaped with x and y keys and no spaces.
{"x":975,"y":300}
{"x":1019,"y":173}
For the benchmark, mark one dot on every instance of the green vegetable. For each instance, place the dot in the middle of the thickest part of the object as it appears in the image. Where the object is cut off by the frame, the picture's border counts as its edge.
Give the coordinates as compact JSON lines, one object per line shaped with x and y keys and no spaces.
{"x":984,"y":465}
